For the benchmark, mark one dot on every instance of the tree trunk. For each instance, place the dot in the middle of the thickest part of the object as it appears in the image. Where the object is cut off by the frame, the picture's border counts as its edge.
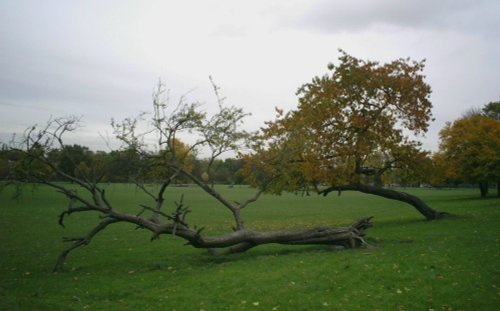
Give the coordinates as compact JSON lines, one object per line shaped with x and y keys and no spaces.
{"x":242,"y":240}
{"x":235,"y":242}
{"x":377,"y":181}
{"x":416,"y":202}
{"x":483,"y":187}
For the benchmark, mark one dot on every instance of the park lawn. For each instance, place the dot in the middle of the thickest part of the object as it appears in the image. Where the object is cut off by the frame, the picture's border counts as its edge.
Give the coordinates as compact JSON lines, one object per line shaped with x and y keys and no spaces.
{"x":449,"y":264}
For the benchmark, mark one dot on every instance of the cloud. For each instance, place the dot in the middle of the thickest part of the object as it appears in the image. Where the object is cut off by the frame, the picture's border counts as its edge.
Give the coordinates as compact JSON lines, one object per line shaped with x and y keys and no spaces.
{"x":101,"y":59}
{"x":341,"y":16}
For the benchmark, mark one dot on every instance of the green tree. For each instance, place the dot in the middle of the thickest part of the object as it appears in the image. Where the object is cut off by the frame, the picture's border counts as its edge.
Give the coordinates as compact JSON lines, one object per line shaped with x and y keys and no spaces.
{"x":122,"y":165}
{"x":4,"y":162}
{"x":70,"y":157}
{"x":225,"y":171}
{"x":492,"y":110}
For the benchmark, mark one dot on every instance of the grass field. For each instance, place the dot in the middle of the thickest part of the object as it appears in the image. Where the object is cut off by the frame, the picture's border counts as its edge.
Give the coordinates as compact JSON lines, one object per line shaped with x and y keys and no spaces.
{"x":450,"y":264}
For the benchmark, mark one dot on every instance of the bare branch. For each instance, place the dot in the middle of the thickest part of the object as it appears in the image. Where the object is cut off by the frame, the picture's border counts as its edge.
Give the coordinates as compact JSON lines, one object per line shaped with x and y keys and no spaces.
{"x":81,"y":241}
{"x":252,"y":199}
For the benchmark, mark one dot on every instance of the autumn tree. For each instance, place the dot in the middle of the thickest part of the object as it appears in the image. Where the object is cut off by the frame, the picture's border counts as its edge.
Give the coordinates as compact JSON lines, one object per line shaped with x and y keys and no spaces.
{"x":418,"y":171}
{"x":158,"y":150}
{"x":441,"y":173}
{"x":471,"y":148}
{"x":351,"y":125}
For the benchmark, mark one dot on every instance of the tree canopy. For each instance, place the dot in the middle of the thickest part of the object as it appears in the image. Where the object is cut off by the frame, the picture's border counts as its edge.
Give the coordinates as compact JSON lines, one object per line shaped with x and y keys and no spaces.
{"x":351,"y":125}
{"x":492,"y":110}
{"x":471,"y":149}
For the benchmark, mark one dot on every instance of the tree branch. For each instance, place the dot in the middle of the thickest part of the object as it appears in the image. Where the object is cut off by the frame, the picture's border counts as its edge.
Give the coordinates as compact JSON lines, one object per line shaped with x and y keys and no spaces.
{"x":80,"y":242}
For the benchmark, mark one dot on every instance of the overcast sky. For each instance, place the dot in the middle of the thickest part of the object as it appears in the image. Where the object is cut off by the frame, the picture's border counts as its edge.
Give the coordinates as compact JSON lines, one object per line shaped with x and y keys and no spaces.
{"x":101,"y":59}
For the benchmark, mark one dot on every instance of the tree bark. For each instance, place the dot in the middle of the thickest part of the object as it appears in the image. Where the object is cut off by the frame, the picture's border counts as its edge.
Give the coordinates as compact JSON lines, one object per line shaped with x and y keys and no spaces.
{"x":483,"y":188}
{"x":236,"y":242}
{"x":377,"y":180}
{"x":243,"y":240}
{"x":417,"y":203}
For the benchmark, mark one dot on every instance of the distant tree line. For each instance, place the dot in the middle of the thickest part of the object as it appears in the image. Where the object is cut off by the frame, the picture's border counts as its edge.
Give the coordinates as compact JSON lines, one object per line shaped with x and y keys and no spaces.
{"x":121,"y":166}
{"x":468,"y":155}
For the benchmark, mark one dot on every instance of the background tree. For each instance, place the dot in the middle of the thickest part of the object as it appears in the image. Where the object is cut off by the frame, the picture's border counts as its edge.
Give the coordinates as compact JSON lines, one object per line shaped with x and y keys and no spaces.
{"x":441,"y":173}
{"x":471,"y":149}
{"x":71,"y":157}
{"x":349,"y":124}
{"x":492,"y":110}
{"x":227,"y":171}
{"x":4,"y":163}
{"x":165,"y":160}
{"x":417,"y":171}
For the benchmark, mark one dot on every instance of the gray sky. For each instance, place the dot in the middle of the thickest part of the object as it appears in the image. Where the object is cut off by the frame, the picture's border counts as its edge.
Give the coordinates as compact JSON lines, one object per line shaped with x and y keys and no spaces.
{"x":101,"y":59}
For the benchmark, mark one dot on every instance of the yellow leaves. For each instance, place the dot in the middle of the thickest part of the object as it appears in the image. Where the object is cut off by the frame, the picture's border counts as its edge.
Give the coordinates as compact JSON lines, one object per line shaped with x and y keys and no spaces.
{"x":183,"y":154}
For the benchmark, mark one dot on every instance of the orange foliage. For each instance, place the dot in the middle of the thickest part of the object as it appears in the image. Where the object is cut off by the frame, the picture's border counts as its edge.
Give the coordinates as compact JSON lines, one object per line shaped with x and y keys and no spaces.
{"x":344,"y":120}
{"x":470,"y":148}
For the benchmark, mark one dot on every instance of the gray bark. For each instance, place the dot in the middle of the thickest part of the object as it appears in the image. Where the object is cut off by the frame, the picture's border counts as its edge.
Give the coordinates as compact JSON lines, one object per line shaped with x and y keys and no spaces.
{"x":416,"y":202}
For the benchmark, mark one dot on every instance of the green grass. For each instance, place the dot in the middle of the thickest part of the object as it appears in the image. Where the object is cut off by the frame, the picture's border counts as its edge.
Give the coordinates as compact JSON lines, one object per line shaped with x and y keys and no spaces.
{"x":450,"y":264}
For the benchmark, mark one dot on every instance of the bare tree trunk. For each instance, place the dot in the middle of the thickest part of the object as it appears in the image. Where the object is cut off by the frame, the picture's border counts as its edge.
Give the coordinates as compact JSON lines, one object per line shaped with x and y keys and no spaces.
{"x":236,"y":242}
{"x":242,"y":240}
{"x":377,"y":180}
{"x":421,"y":206}
{"x":483,"y":187}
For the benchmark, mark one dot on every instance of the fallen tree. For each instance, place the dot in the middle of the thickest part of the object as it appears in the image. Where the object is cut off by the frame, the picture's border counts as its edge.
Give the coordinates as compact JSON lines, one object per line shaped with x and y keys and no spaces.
{"x":167,"y":162}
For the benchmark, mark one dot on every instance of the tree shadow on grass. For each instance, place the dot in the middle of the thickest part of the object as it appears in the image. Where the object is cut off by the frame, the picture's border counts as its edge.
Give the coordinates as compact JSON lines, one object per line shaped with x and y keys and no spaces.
{"x":266,"y":251}
{"x":276,"y":250}
{"x":471,"y":198}
{"x":404,"y":222}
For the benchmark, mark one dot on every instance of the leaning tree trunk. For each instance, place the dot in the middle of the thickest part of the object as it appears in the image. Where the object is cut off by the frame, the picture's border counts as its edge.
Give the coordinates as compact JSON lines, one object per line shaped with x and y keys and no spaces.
{"x":416,"y":202}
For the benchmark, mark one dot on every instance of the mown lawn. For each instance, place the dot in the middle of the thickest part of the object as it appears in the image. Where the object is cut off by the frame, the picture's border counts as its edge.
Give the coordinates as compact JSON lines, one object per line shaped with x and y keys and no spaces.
{"x":450,"y":264}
